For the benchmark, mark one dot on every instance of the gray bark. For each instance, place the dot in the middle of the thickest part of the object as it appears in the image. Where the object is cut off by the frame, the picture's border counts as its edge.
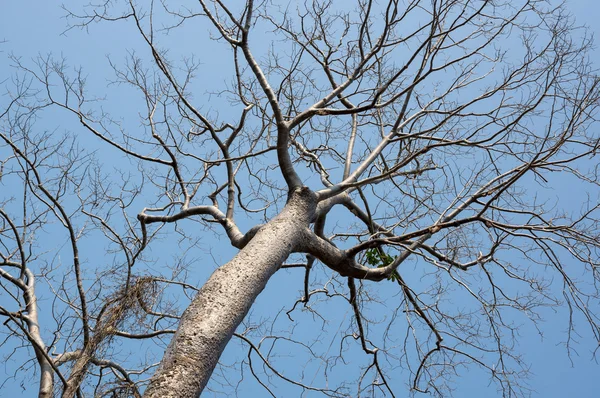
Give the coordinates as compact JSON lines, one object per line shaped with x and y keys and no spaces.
{"x":46,"y":371}
{"x":32,"y":320}
{"x":209,"y":322}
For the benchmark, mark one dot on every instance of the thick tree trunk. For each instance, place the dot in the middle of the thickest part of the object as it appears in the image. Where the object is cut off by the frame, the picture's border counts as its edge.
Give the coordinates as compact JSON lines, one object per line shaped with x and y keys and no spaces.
{"x":220,"y":306}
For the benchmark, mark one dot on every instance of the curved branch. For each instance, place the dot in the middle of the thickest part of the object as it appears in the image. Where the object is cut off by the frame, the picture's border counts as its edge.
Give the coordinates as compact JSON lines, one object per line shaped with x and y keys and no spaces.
{"x":237,"y":238}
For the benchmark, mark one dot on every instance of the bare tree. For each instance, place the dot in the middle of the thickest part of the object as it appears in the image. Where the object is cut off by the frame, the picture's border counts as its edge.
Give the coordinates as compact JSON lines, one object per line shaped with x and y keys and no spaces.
{"x":393,"y":156}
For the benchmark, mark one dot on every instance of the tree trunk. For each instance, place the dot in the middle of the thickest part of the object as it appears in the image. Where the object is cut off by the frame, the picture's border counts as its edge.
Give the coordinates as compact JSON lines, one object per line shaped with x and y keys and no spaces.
{"x":46,"y":374}
{"x":33,"y":326}
{"x":222,"y":303}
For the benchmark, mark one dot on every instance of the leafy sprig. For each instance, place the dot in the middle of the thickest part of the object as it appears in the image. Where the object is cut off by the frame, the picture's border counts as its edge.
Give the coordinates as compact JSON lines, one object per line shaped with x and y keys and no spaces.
{"x":378,"y":258}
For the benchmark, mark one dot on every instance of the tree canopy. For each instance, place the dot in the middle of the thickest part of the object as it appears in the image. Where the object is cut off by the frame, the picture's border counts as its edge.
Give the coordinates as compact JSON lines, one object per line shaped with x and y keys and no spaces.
{"x":414,"y":182}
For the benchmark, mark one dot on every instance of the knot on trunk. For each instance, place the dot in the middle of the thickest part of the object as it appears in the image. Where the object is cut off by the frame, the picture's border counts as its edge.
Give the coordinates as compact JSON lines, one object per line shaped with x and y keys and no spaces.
{"x":303,"y":196}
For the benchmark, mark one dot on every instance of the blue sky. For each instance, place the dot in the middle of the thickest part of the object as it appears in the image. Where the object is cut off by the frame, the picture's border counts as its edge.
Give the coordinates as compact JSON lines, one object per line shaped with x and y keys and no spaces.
{"x":38,"y":28}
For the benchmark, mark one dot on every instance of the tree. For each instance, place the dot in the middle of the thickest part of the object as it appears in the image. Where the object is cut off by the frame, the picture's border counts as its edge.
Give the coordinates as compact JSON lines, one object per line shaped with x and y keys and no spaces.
{"x":397,"y":153}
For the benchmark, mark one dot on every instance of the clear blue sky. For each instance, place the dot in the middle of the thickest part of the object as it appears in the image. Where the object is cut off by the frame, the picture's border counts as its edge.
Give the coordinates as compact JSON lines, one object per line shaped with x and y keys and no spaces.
{"x":30,"y":28}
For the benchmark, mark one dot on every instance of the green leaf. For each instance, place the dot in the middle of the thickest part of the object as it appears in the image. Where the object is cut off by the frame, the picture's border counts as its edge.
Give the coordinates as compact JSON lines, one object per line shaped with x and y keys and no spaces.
{"x":378,"y":258}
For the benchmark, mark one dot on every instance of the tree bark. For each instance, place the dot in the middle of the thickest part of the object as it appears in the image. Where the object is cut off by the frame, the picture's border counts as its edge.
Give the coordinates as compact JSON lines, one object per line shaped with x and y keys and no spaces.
{"x":33,"y":326}
{"x":220,"y":306}
{"x":46,"y":371}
